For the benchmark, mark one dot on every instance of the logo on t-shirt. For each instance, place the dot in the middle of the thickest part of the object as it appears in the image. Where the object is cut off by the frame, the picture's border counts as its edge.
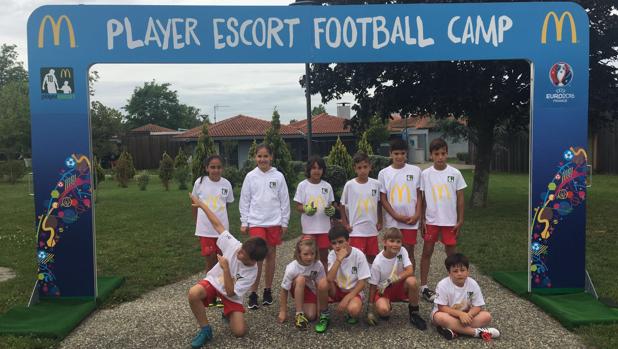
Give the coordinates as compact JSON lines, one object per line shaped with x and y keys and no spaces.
{"x":324,"y":190}
{"x":374,"y":192}
{"x":399,"y":258}
{"x":238,"y":277}
{"x":272,"y":185}
{"x":354,"y":270}
{"x":470,"y":295}
{"x":409,"y":178}
{"x":224,"y":191}
{"x":450,"y":179}
{"x":313,"y":275}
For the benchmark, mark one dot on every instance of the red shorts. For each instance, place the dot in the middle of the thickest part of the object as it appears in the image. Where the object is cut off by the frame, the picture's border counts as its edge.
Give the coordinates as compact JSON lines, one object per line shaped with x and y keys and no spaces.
{"x":339,"y":294}
{"x":369,"y":245}
{"x":272,"y":235}
{"x":308,"y":295}
{"x":448,"y":236}
{"x":320,"y":239}
{"x":394,"y":293}
{"x":409,"y":236}
{"x":209,"y":246}
{"x":211,"y":293}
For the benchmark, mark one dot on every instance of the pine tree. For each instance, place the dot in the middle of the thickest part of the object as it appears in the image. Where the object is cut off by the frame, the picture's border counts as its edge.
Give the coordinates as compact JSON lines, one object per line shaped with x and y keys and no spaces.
{"x":253,"y":149}
{"x":339,"y":156}
{"x":205,"y":148}
{"x":99,"y":173}
{"x":181,"y":170}
{"x":166,"y":170}
{"x":282,"y":159}
{"x":124,"y":170}
{"x":364,"y":146}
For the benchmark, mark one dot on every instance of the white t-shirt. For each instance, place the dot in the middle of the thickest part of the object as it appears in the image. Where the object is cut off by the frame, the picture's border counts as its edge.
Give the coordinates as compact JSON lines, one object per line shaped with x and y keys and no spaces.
{"x":361,"y":202}
{"x":216,"y":195}
{"x":353,"y":268}
{"x":382,"y":267}
{"x":440,"y":189}
{"x":458,"y":298}
{"x":243,"y":275}
{"x":321,"y":195}
{"x":313,"y":274}
{"x":400,"y":187}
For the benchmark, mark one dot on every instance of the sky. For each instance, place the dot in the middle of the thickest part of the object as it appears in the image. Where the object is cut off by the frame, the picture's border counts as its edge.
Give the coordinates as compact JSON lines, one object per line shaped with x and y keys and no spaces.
{"x":249,"y":89}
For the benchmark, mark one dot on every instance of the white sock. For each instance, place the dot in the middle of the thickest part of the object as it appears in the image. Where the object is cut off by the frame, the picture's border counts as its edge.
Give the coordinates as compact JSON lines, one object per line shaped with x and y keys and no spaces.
{"x":477,"y":332}
{"x":423,"y":287}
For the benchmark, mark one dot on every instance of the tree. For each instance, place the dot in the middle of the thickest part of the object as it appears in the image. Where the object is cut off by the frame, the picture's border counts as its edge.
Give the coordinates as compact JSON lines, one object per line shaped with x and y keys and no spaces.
{"x":15,"y":119}
{"x":166,"y":170}
{"x":377,"y":132}
{"x":124,"y":169}
{"x":181,"y":169}
{"x":282,"y":159}
{"x":501,"y":90}
{"x":155,"y":103}
{"x":320,"y":109}
{"x":106,"y":123}
{"x":363,"y":145}
{"x":10,"y":68}
{"x":339,"y":156}
{"x":205,"y":148}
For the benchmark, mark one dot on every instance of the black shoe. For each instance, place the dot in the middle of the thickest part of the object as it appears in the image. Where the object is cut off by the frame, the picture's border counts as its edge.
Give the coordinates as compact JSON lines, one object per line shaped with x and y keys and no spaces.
{"x":428,"y":295}
{"x":267,"y":297}
{"x":446,"y":333}
{"x":418,"y":321}
{"x":253,"y":301}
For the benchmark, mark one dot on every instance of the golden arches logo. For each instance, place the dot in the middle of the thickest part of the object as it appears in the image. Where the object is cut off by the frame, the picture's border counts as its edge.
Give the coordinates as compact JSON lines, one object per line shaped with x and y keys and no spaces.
{"x":400,"y":190}
{"x":363,"y":206}
{"x":318,"y":201}
{"x":439,"y":190}
{"x":213,"y":203}
{"x":56,"y":26}
{"x":559,"y":22}
{"x":65,"y":73}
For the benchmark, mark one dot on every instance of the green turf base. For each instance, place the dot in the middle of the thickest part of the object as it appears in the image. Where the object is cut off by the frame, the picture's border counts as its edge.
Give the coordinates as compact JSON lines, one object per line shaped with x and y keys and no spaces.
{"x":571,"y":308}
{"x":55,"y":317}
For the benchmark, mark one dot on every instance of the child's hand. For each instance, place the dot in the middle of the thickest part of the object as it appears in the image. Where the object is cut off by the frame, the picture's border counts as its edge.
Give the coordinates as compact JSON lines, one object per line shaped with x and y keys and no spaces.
{"x":310,"y":209}
{"x":379,"y":226}
{"x":348,"y":228}
{"x":329,"y":210}
{"x":465,"y":318}
{"x":372,"y":319}
{"x":223,"y":262}
{"x":383,"y":285}
{"x":283,"y":315}
{"x":243,"y":229}
{"x":343,"y":304}
{"x":341,"y":254}
{"x":457,"y":228}
{"x":195,"y":201}
{"x":284,"y":230}
{"x":412,"y":220}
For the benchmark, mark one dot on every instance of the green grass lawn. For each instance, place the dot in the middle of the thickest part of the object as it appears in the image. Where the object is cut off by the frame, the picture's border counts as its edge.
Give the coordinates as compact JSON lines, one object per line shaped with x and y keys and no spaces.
{"x":147,"y":237}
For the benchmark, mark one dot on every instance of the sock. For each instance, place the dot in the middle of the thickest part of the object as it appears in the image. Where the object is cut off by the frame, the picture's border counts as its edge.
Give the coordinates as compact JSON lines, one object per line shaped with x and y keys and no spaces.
{"x":423,"y":288}
{"x":477,"y":332}
{"x":325,"y":312}
{"x":413,"y":308}
{"x":299,"y":312}
{"x":205,"y":326}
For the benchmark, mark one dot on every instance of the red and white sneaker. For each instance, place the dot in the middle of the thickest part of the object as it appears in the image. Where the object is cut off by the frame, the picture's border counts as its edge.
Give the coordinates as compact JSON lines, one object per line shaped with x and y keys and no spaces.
{"x":488,"y":333}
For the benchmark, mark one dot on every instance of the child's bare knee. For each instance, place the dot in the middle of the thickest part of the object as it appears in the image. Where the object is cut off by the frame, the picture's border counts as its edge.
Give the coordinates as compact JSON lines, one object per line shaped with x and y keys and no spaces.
{"x":411,"y":282}
{"x":300,"y":281}
{"x":323,"y":285}
{"x":195,"y":293}
{"x":237,"y":324}
{"x":382,"y":309}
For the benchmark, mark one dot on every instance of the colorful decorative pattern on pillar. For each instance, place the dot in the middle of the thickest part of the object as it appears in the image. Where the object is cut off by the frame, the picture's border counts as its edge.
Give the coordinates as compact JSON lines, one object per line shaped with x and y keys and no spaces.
{"x":565,"y":192}
{"x":70,"y":198}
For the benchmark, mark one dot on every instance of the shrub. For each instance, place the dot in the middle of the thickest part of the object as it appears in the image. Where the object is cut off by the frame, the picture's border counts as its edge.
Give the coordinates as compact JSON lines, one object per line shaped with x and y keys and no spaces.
{"x":142,"y":180}
{"x":364,"y":146}
{"x":378,"y":162}
{"x":232,"y":174}
{"x":13,"y":170}
{"x":166,"y":170}
{"x":298,"y":167}
{"x":181,"y":170}
{"x":281,"y":154}
{"x":337,"y":177}
{"x":205,"y":148}
{"x":465,"y":157}
{"x":124,"y":169}
{"x":339,"y":156}
{"x":99,"y":173}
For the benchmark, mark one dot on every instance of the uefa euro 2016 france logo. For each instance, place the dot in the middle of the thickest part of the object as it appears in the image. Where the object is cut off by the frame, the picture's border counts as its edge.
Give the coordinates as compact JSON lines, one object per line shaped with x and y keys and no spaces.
{"x":560,"y":74}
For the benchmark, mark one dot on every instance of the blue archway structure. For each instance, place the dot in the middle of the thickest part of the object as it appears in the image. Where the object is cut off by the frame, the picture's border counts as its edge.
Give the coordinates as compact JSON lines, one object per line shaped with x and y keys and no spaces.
{"x":65,"y":41}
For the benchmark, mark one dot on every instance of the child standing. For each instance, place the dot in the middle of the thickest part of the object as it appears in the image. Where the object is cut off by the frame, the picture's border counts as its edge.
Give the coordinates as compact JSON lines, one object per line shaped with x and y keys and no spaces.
{"x":400,"y":195}
{"x":217,"y":193}
{"x":458,"y":306}
{"x":347,"y":274}
{"x":300,"y":280}
{"x":392,"y":280}
{"x":443,"y":205}
{"x":229,"y":279}
{"x":264,"y":212}
{"x":360,"y":212}
{"x":314,"y":200}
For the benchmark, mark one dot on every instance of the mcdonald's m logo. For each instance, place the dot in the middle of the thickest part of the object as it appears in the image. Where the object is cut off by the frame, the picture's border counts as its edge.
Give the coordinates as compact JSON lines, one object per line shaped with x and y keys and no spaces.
{"x":559,"y":22}
{"x":400,"y":190}
{"x":56,"y":26}
{"x":65,"y":73}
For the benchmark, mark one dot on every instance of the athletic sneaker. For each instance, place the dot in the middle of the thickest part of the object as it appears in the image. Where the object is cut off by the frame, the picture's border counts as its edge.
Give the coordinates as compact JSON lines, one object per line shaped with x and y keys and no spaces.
{"x":322,"y":324}
{"x":267,"y":297}
{"x":203,"y":336}
{"x":301,"y":321}
{"x":488,"y":333}
{"x":418,"y":321}
{"x":253,"y":301}
{"x":350,"y":320}
{"x":218,"y":302}
{"x":428,"y":295}
{"x":446,"y":332}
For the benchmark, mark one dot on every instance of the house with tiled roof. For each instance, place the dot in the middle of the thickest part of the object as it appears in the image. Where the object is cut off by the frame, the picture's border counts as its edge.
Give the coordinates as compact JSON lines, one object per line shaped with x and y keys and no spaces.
{"x":147,"y":144}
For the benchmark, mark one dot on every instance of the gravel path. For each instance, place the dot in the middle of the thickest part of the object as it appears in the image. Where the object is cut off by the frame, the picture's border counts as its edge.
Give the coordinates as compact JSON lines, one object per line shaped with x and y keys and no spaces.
{"x":162,"y":319}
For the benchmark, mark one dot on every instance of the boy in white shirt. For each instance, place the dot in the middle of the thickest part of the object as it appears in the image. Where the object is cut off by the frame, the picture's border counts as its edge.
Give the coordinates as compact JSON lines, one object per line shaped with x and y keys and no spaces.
{"x":392,"y":280}
{"x":345,"y":280}
{"x":459,"y":301}
{"x":443,"y":208}
{"x":360,"y":213}
{"x":229,"y":279}
{"x":400,"y":195}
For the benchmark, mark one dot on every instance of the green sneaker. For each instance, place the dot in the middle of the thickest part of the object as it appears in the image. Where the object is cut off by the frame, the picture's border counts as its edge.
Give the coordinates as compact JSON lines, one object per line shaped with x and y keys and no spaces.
{"x":350,"y":320}
{"x":203,"y":336}
{"x":218,"y":303}
{"x":322,"y":324}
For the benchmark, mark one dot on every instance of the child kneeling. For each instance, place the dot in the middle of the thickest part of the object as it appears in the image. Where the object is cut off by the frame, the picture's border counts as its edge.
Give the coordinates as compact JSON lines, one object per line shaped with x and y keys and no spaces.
{"x":229,"y":279}
{"x":392,"y":280}
{"x":458,"y":304}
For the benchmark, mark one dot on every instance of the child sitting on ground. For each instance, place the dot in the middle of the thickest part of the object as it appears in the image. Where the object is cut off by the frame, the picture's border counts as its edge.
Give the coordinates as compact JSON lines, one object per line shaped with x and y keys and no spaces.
{"x":300,"y":280}
{"x":459,"y":301}
{"x":229,"y":279}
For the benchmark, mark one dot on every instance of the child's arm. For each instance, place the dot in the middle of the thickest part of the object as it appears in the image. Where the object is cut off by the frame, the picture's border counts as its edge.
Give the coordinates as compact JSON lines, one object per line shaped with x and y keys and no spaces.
{"x":284,"y":199}
{"x":405,"y":273}
{"x":391,"y":211}
{"x":300,"y":208}
{"x":343,"y":304}
{"x":244,"y":205}
{"x":344,"y":217}
{"x":379,"y":225}
{"x":421,"y":226}
{"x":283,"y":305}
{"x":216,"y":223}
{"x":332,"y":272}
{"x":228,"y":282}
{"x":418,"y":209}
{"x":474,"y":311}
{"x":372,"y":293}
{"x":463,"y":317}
{"x":460,"y":211}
